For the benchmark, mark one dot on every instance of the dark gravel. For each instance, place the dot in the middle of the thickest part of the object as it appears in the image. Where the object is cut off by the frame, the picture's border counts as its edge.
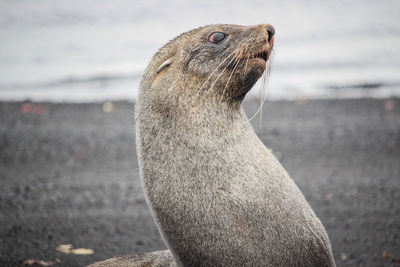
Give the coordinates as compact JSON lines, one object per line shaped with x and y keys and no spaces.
{"x":69,"y":175}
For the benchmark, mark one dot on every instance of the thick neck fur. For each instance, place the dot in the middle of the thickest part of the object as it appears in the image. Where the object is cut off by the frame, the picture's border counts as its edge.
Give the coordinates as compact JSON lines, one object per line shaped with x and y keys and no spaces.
{"x":173,"y":121}
{"x":178,"y":108}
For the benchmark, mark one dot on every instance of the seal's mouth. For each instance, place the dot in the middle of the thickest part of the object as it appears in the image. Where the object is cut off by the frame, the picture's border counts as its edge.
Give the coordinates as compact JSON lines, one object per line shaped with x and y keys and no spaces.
{"x":264,"y":55}
{"x":261,"y":54}
{"x":254,"y":57}
{"x":264,"y":52}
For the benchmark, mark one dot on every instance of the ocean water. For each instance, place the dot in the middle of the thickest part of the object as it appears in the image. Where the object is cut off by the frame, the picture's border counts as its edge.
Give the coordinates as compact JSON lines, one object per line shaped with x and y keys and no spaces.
{"x":95,"y":50}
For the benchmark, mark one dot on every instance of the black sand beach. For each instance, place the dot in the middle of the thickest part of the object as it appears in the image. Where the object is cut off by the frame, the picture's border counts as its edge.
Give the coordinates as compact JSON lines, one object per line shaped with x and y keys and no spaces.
{"x":69,"y":175}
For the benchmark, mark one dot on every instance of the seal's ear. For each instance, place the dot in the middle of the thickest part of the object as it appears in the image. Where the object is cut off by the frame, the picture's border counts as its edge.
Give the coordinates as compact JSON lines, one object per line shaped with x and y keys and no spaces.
{"x":165,"y":64}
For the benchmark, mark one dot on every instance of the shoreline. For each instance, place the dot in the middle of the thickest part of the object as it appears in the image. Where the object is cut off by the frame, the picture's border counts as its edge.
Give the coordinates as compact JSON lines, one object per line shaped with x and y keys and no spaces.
{"x":360,"y":93}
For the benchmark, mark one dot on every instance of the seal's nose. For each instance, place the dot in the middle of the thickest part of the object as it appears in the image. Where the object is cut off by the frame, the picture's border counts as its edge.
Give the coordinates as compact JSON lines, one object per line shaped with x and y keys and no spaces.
{"x":271,"y":32}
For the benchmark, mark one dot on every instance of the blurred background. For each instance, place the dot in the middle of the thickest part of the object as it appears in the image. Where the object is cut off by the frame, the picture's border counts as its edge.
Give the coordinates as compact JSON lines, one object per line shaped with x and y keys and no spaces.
{"x":70,"y":192}
{"x":96,"y":49}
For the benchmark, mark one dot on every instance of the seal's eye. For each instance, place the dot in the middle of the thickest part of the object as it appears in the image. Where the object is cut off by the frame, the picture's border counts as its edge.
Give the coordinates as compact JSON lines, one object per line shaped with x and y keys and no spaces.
{"x":216,"y":37}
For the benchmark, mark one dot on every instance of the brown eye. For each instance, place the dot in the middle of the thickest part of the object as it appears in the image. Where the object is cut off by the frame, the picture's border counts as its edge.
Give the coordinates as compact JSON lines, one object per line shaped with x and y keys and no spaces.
{"x":216,"y":37}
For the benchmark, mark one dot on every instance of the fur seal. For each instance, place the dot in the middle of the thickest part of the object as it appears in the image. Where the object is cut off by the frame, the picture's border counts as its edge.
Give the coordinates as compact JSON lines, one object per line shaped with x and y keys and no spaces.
{"x":218,"y":195}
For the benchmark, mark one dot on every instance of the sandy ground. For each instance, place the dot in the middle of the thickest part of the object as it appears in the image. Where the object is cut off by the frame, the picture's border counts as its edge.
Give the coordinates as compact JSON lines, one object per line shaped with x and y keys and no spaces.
{"x":69,"y":175}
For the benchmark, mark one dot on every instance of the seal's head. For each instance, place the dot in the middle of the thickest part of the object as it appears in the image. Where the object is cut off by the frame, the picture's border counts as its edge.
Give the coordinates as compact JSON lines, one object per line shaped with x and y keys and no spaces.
{"x":216,"y":62}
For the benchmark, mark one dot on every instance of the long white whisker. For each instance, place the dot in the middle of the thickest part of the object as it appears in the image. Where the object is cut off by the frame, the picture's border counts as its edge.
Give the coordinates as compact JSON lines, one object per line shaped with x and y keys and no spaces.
{"x":255,"y":114}
{"x":201,"y":87}
{"x":265,"y":80}
{"x":263,"y":83}
{"x":215,"y":81}
{"x":230,"y":76}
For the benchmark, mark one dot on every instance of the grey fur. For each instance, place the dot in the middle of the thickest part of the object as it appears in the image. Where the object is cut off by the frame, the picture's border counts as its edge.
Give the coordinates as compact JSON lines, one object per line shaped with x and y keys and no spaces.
{"x":218,"y":195}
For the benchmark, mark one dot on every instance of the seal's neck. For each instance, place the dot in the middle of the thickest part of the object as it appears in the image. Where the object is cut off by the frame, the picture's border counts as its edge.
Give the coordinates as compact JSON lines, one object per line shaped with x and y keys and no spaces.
{"x":184,"y":106}
{"x":178,"y":118}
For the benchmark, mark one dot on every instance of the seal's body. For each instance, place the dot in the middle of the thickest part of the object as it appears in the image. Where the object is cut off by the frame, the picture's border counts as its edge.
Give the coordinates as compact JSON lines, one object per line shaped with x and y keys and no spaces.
{"x":219,"y":196}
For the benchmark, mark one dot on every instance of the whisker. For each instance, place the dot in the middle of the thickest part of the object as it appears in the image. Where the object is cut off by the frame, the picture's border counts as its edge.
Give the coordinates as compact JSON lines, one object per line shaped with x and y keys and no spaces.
{"x":222,"y":62}
{"x":230,"y":76}
{"x":263,"y":96}
{"x":247,"y":61}
{"x":215,"y":81}
{"x":258,"y":110}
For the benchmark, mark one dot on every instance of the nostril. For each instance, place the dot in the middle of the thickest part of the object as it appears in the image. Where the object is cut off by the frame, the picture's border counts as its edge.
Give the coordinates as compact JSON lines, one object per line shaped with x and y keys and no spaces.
{"x":271,"y":32}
